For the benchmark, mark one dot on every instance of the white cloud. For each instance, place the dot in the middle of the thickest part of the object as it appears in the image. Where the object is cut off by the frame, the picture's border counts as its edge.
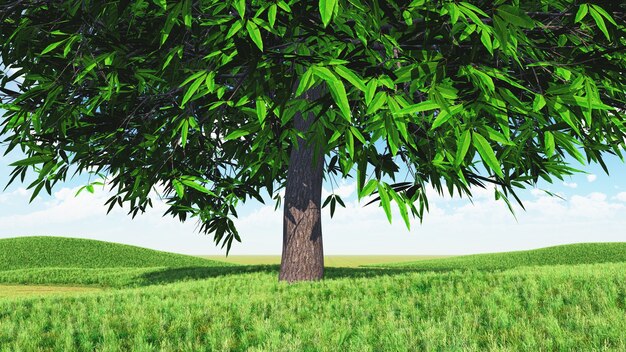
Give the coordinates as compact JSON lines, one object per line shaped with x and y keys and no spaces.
{"x":591,"y":177}
{"x":9,"y":197}
{"x":620,"y":196}
{"x":453,"y":226}
{"x":570,"y":184}
{"x":343,"y":190}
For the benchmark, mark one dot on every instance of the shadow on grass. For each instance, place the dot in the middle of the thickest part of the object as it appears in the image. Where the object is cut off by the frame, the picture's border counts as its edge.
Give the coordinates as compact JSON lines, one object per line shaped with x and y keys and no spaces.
{"x":198,"y":273}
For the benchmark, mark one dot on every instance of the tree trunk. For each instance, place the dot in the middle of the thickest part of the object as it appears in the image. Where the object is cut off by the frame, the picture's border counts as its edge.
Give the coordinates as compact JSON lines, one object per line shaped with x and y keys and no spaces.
{"x":303,"y":253}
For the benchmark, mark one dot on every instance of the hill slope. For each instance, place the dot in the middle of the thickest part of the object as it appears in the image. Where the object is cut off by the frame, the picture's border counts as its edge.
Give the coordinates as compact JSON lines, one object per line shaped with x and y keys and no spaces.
{"x":61,"y":252}
{"x":571,"y":254}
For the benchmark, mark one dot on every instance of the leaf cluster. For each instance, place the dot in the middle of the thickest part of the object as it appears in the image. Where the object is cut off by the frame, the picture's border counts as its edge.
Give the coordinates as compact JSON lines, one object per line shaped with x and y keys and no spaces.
{"x":199,"y":96}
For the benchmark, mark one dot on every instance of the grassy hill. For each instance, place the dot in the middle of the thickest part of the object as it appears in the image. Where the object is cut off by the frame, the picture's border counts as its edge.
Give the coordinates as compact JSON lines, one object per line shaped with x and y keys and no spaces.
{"x":69,"y":261}
{"x":62,"y":252}
{"x":571,"y":254}
{"x":189,"y":303}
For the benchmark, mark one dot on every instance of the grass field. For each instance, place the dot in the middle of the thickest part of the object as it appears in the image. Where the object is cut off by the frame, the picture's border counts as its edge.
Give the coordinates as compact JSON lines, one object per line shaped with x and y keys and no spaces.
{"x":565,"y":304}
{"x":341,"y":261}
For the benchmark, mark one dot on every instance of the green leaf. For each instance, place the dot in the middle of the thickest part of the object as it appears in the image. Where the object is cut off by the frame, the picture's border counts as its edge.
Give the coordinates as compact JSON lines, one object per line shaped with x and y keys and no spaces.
{"x":187,"y":13}
{"x":350,"y":77}
{"x":539,"y":102}
{"x":337,"y":90}
{"x":443,"y":116}
{"x":484,"y":80}
{"x":271,"y":15}
{"x":162,"y":3}
{"x":237,"y":134}
{"x":473,"y":8}
{"x":184,"y":130}
{"x":407,"y":18}
{"x":369,"y":187}
{"x":604,"y":13}
{"x":384,"y":200}
{"x":357,"y":134}
{"x":581,"y":13}
{"x":463,"y":144}
{"x":370,"y":91}
{"x":261,"y":111}
{"x":470,"y":11}
{"x":39,"y":159}
{"x":486,"y":152}
{"x":599,"y":22}
{"x":192,"y":89}
{"x":516,"y":16}
{"x":485,"y":38}
{"x":240,"y":6}
{"x":324,"y":73}
{"x":453,"y":11}
{"x":306,"y":82}
{"x":52,"y":46}
{"x":190,"y":182}
{"x":255,"y":34}
{"x":420,"y":107}
{"x":326,"y":10}
{"x":401,"y":207}
{"x":192,"y":77}
{"x":566,"y":115}
{"x":179,"y":188}
{"x":548,"y":139}
{"x":350,"y":144}
{"x":379,"y":100}
{"x":234,"y":29}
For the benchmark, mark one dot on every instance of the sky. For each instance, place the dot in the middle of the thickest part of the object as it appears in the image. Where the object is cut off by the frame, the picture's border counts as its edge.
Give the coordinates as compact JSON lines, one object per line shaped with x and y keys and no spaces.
{"x":591,"y":208}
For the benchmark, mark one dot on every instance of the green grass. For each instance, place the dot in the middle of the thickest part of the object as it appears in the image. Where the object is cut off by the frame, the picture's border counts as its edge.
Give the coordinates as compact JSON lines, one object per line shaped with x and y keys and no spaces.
{"x":343,"y":261}
{"x":38,"y":290}
{"x":541,"y":308}
{"x":548,"y":304}
{"x":62,"y":252}
{"x":571,"y":254}
{"x":73,"y":261}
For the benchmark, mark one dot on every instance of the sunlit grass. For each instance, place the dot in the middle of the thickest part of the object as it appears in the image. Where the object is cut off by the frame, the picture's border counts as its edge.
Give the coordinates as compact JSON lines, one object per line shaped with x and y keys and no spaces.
{"x":11,"y":291}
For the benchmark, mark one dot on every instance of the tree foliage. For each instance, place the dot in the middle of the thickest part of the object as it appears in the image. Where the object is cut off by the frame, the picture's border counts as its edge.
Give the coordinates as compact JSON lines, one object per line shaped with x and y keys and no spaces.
{"x":200,"y":95}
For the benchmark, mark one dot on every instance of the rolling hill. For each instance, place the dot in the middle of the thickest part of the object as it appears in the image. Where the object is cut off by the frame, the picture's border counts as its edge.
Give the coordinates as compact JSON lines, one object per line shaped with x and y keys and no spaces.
{"x":571,"y":254}
{"x":62,"y":252}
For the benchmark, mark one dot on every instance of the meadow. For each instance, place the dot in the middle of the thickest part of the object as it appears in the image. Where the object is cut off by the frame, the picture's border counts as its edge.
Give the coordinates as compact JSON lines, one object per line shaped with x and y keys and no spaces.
{"x":571,"y":303}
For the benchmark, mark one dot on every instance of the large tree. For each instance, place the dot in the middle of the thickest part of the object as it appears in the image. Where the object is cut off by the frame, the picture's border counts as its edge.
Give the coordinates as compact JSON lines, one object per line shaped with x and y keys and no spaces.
{"x":221,"y":101}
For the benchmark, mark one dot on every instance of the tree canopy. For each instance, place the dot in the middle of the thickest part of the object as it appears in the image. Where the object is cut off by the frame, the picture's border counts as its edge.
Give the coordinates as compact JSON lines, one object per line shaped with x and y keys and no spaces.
{"x":200,"y":96}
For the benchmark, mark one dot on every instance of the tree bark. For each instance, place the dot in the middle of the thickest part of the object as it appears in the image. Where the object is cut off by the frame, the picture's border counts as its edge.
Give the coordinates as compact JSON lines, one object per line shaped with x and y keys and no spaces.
{"x":303,"y":254}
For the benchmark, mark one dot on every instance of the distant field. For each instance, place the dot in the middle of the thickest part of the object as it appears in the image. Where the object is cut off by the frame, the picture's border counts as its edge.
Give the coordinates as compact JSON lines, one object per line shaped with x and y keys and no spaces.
{"x":566,"y":298}
{"x":348,"y":261}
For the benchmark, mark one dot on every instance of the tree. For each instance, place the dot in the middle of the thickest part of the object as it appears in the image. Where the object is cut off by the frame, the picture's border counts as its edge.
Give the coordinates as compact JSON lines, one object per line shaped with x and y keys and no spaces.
{"x":221,"y":101}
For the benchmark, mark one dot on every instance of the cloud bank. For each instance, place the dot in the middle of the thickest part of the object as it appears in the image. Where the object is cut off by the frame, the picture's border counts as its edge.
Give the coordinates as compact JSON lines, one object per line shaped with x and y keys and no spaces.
{"x":453,"y":226}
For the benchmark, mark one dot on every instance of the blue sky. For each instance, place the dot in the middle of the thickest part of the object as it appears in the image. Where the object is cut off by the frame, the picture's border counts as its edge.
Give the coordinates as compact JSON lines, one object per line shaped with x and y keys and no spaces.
{"x":593,"y":210}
